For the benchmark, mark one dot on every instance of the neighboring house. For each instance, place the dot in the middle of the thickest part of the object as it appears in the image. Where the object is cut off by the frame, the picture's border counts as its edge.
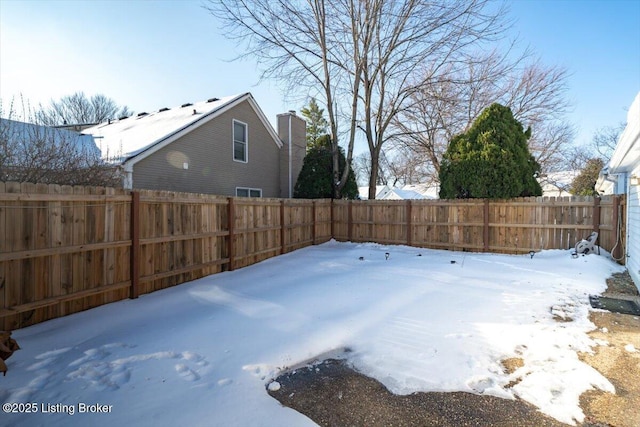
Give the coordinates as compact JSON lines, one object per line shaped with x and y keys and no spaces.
{"x":554,"y":184}
{"x":427,"y":191}
{"x":27,"y":134}
{"x":622,"y":176}
{"x":557,"y":184}
{"x":407,"y":192}
{"x":77,"y":127}
{"x":24,"y":145}
{"x":222,"y":146}
{"x":363,"y":192}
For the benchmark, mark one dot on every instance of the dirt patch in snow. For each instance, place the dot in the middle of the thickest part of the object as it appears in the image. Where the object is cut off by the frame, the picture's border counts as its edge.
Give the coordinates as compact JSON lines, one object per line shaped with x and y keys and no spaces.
{"x":512,"y":364}
{"x":332,"y":394}
{"x":618,"y":359}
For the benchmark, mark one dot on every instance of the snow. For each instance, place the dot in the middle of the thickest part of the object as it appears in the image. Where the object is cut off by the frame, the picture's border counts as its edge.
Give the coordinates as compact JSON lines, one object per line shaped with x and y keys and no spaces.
{"x":407,"y":192}
{"x":205,"y":352}
{"x":119,"y":140}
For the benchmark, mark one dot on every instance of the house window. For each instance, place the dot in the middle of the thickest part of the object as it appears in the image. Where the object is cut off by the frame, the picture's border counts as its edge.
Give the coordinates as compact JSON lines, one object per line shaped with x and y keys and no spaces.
{"x":240,"y":144}
{"x":248,"y":192}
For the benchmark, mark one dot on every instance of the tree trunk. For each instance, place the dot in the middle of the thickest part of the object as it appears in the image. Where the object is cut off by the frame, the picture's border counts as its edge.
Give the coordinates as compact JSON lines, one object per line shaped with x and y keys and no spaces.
{"x":373,"y":178}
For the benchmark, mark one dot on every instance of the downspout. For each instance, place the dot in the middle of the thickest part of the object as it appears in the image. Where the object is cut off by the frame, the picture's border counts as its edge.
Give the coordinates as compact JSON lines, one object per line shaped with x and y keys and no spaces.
{"x":290,"y":161}
{"x":626,"y":216}
{"x":128,"y":176}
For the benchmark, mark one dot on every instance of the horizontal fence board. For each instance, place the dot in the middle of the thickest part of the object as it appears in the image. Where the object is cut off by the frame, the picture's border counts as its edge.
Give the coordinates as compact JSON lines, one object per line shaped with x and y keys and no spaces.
{"x":67,"y":249}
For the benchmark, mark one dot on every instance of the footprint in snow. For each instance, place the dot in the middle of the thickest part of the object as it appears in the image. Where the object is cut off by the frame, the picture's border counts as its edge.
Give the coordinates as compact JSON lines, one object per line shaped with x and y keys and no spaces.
{"x":186,"y":373}
{"x":224,"y":382}
{"x":480,"y":384}
{"x":99,"y":372}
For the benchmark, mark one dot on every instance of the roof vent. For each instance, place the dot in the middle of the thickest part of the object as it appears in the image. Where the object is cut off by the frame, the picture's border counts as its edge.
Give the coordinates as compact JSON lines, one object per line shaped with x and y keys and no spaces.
{"x":194,"y":112}
{"x":213,"y":99}
{"x":188,"y":104}
{"x":163,"y":109}
{"x":142,"y":114}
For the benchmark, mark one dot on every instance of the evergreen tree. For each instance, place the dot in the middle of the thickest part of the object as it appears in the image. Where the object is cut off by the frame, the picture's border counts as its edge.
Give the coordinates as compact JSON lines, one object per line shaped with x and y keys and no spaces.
{"x":585,"y":183}
{"x":490,"y":160}
{"x":314,"y":180}
{"x":316,"y":123}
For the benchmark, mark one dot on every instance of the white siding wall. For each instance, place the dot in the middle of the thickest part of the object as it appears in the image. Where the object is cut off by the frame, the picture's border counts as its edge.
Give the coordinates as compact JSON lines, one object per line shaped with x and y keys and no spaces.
{"x":633,"y":231}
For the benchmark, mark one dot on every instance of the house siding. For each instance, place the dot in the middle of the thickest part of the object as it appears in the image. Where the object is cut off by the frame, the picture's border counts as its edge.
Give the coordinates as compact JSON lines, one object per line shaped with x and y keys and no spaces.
{"x":633,"y":231}
{"x":208,"y":153}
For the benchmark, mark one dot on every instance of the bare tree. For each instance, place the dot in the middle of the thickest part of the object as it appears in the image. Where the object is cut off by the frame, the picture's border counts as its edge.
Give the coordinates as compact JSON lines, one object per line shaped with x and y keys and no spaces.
{"x":362,"y":58}
{"x":77,"y":109}
{"x":457,"y":94}
{"x":601,"y":146}
{"x":401,"y":169}
{"x":295,"y":43}
{"x":536,"y":95}
{"x":605,"y":140}
{"x":42,"y":154}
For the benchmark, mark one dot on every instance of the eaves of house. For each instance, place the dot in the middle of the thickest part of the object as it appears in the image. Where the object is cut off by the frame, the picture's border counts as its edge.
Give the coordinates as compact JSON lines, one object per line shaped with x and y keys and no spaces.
{"x":627,"y":153}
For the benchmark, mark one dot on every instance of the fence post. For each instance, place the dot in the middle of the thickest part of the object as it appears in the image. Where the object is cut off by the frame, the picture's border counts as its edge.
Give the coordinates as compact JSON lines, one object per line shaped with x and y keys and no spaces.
{"x":313,"y":222}
{"x":409,"y":234}
{"x":231,"y":219}
{"x":485,"y":229}
{"x":596,"y":214}
{"x":283,"y":245}
{"x":134,"y":290}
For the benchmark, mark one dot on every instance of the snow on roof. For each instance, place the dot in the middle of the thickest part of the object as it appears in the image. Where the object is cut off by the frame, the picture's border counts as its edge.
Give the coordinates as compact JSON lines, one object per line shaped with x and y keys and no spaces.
{"x":363,"y":192}
{"x":413,"y":192}
{"x":427,"y":191}
{"x":401,"y":194}
{"x":121,"y":140}
{"x":557,"y":183}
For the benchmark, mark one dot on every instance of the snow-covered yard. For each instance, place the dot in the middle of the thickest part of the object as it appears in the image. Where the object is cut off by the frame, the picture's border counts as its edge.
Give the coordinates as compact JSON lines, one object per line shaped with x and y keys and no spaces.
{"x":422,"y":320}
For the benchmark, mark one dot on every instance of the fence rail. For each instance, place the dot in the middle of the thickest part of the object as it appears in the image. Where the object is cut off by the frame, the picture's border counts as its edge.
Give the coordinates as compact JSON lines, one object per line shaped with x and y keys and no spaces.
{"x":66,"y":249}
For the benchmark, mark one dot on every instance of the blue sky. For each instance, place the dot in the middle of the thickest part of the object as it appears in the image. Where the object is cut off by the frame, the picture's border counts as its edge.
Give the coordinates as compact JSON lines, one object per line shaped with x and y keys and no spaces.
{"x":152,"y":54}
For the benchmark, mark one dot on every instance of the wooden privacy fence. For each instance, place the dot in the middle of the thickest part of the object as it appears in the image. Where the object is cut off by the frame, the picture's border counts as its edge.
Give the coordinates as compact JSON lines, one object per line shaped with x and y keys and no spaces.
{"x":503,"y":226}
{"x":66,"y":249}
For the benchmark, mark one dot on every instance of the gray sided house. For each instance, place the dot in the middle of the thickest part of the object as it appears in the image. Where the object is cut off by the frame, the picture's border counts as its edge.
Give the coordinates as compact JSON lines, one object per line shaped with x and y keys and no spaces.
{"x":29,"y":151}
{"x":622,"y":176}
{"x":223,"y":146}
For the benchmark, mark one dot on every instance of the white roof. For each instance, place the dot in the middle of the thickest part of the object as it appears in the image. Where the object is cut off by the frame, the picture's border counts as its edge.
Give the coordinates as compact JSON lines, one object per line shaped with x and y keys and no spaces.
{"x":427,"y":191}
{"x":417,"y":191}
{"x":401,"y":194}
{"x":138,"y":136}
{"x":627,"y":153}
{"x":557,"y":184}
{"x":364,"y":191}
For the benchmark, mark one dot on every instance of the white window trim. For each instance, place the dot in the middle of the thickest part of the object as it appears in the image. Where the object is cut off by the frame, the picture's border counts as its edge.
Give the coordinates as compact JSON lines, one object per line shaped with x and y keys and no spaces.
{"x":249,"y":190}
{"x":233,"y":142}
